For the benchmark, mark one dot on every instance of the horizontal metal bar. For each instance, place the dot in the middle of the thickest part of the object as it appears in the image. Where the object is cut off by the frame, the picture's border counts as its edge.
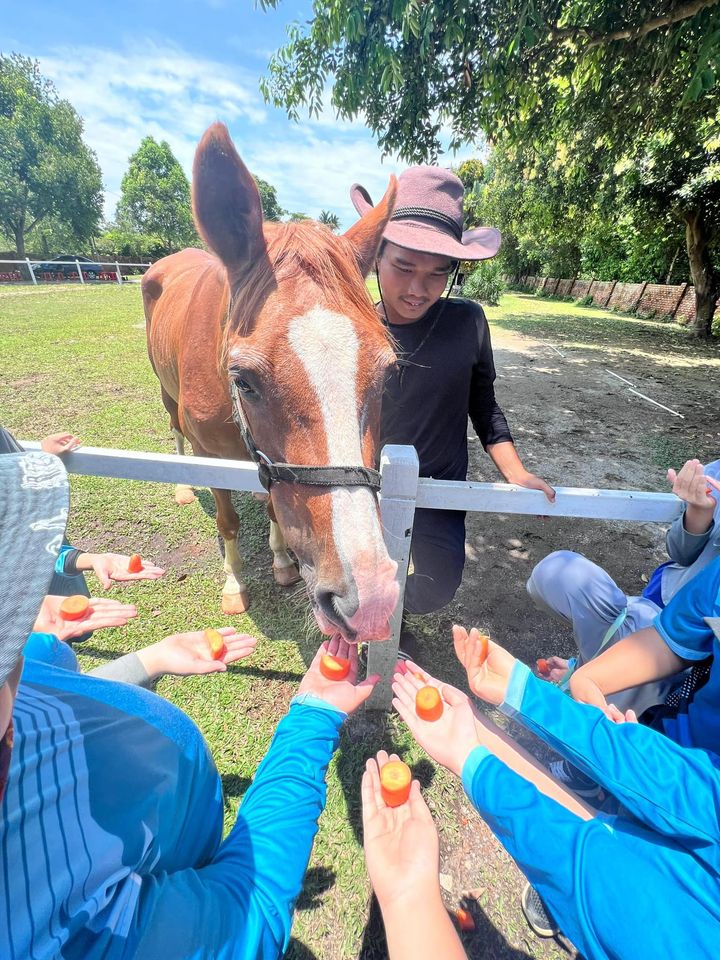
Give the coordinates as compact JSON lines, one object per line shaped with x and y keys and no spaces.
{"x":570,"y":501}
{"x":161,"y":468}
{"x":99,"y":263}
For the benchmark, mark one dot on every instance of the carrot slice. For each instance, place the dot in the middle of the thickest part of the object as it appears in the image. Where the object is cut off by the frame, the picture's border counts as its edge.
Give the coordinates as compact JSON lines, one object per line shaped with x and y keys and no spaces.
{"x":135,"y":563}
{"x":428,"y":703}
{"x":464,"y":919}
{"x":334,"y":668}
{"x":74,"y":608}
{"x":484,"y":648}
{"x":395,"y":783}
{"x":420,"y":677}
{"x":543,"y":667}
{"x":216,"y":642}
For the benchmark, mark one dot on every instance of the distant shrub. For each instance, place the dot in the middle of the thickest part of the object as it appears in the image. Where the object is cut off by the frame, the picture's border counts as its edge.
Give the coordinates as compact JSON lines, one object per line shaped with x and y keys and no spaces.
{"x":586,"y":301}
{"x":485,"y":283}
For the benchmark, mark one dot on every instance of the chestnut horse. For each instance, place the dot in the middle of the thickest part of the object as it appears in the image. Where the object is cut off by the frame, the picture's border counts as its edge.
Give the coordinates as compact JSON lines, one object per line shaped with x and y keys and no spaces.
{"x":275,"y":329}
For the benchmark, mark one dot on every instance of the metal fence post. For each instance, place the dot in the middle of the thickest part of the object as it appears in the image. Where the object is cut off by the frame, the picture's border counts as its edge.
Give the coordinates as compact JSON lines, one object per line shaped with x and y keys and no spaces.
{"x":117,"y":273}
{"x":399,"y":469}
{"x":31,"y":271}
{"x":80,"y":275}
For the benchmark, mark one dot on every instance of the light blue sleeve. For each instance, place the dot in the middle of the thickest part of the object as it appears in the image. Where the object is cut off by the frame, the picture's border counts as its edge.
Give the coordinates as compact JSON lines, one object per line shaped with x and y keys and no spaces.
{"x":60,"y":562}
{"x":673,"y":789}
{"x":684,"y":547}
{"x":240,"y":904}
{"x":682,"y":623}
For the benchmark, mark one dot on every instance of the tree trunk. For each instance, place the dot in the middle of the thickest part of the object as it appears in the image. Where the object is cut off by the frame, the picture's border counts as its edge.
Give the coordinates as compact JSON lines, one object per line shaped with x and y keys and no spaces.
{"x":20,"y":243}
{"x":704,"y":276}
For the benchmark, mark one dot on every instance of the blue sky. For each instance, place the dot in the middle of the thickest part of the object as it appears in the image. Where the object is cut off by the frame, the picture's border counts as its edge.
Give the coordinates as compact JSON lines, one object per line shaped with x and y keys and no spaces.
{"x":169,"y":68}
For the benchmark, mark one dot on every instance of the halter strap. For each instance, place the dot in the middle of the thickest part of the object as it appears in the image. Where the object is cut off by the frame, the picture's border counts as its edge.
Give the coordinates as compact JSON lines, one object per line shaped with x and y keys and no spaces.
{"x":405,"y":213}
{"x":271,"y":472}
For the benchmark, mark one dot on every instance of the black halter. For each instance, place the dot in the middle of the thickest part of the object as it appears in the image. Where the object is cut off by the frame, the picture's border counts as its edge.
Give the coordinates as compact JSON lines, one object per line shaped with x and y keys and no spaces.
{"x":314,"y":476}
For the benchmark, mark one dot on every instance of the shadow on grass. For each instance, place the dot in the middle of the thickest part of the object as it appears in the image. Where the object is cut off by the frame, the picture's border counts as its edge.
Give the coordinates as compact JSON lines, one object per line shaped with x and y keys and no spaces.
{"x":318,"y":880}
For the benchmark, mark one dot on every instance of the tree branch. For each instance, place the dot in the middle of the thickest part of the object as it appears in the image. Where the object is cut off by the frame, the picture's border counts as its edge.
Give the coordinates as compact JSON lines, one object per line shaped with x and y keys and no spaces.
{"x":595,"y":39}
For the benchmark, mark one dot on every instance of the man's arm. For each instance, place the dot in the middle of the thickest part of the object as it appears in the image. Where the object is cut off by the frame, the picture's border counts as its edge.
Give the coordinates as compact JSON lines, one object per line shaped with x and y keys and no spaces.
{"x":641,"y":657}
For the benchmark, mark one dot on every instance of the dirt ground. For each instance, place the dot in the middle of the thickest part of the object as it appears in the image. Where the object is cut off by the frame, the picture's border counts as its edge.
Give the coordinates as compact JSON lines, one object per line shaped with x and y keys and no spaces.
{"x":575,"y":425}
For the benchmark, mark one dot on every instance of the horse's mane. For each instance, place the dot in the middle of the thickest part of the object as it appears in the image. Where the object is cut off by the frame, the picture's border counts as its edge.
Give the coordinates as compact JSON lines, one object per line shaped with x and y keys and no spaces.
{"x":295,"y":251}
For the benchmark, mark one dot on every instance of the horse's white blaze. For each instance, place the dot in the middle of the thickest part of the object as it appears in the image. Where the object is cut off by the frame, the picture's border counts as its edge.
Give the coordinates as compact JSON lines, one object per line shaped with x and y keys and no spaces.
{"x":327,"y":346}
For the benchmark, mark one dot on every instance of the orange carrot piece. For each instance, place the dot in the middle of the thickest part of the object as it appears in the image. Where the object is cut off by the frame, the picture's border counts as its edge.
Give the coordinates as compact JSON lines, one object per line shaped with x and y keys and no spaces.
{"x":135,"y":564}
{"x":428,"y":703}
{"x":464,"y":919}
{"x":484,"y":648}
{"x":543,"y":667}
{"x":334,"y":668}
{"x":420,"y":677}
{"x":74,"y":608}
{"x":395,"y":783}
{"x":216,"y":642}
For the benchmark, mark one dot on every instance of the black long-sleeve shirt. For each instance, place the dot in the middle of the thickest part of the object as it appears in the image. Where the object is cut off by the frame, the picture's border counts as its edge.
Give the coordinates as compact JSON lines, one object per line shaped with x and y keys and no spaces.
{"x":429,"y":395}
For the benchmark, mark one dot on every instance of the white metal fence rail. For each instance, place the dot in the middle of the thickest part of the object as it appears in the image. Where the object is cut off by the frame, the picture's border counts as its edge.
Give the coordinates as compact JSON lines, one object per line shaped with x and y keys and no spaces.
{"x":84,"y":275}
{"x":402,"y":492}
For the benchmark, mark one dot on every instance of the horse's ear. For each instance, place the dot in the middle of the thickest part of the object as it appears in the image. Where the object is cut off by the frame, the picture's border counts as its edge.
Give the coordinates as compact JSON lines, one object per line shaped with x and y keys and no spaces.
{"x":366,"y":234}
{"x":226,"y":202}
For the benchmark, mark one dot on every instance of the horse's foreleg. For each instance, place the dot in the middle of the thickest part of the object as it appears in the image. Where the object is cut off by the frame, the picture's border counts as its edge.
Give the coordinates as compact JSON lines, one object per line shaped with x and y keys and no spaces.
{"x":284,"y":570}
{"x":234,"y":595}
{"x":183,"y":492}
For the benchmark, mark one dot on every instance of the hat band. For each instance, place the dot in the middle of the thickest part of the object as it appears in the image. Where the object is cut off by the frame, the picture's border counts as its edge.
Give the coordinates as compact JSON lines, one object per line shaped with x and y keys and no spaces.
{"x":405,"y":213}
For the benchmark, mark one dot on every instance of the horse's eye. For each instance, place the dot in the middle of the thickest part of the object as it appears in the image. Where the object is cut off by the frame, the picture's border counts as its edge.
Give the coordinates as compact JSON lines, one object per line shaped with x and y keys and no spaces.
{"x":244,"y":387}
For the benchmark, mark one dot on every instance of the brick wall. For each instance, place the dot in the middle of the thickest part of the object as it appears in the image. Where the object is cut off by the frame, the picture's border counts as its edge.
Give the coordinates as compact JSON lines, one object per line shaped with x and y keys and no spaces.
{"x":660,"y":299}
{"x":601,"y":290}
{"x":563,"y":288}
{"x":685,"y":313}
{"x":580,"y":288}
{"x":626,"y":296}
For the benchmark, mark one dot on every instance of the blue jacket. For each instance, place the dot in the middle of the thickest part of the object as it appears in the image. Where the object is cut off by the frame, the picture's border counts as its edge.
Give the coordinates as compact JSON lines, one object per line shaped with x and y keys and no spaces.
{"x":111,"y":828}
{"x":633,"y":887}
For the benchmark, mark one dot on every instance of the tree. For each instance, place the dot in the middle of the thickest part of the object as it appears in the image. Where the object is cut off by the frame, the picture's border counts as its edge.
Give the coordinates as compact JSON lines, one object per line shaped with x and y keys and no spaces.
{"x":46,"y":170}
{"x":155,"y":198}
{"x":612,"y":77}
{"x":331,"y":220}
{"x":298,"y":217}
{"x":472,"y":173}
{"x":268,"y":197}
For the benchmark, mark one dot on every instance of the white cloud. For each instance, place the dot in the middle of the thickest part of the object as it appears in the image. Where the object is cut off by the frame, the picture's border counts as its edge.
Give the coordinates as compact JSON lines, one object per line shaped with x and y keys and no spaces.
{"x":163,"y":91}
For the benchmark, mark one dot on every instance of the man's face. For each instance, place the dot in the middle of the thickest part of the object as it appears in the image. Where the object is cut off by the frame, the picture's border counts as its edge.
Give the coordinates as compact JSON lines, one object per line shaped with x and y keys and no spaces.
{"x":7,"y":698}
{"x":411,"y":282}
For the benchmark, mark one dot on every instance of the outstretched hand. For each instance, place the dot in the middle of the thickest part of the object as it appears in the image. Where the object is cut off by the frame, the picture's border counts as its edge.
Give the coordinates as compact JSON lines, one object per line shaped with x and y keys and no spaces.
{"x":447,"y":740}
{"x":402,"y":850}
{"x":112,"y":568}
{"x":102,"y":613}
{"x":692,"y":486}
{"x":487,"y":664}
{"x":347,"y":695}
{"x":187,"y":654}
{"x":59,"y":443}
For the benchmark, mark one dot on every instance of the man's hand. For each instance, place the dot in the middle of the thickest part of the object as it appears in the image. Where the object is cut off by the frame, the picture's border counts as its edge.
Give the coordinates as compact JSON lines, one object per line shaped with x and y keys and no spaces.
{"x":532,"y":482}
{"x":59,"y":443}
{"x":488,"y":677}
{"x":448,"y":740}
{"x":113,"y":568}
{"x":402,"y":850}
{"x":347,"y":695}
{"x":102,"y":613}
{"x":187,"y":654}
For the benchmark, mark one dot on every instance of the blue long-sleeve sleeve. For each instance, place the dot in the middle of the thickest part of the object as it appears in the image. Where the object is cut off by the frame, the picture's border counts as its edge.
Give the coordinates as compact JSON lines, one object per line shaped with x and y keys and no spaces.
{"x":616,"y":889}
{"x":673,"y":790}
{"x":240,"y":905}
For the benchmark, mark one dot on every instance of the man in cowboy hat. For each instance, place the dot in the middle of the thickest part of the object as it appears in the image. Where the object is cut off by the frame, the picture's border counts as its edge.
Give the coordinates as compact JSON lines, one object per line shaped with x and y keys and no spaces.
{"x":445,"y":370}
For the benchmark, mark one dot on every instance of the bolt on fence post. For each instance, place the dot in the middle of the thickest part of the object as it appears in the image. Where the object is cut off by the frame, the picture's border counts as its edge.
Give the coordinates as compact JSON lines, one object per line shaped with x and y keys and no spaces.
{"x":31,"y":271}
{"x":399,"y":470}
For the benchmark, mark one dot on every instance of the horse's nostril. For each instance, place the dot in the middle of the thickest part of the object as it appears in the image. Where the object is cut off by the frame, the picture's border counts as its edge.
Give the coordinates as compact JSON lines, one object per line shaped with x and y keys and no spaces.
{"x":338,"y":604}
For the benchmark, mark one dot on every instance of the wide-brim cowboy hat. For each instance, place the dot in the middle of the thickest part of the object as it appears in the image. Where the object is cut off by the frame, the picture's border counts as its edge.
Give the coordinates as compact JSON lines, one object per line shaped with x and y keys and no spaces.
{"x":428,"y":216}
{"x":34,"y":497}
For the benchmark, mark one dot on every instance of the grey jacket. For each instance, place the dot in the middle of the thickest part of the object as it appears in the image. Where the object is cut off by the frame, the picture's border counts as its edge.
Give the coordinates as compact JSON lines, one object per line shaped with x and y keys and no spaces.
{"x":689,"y":552}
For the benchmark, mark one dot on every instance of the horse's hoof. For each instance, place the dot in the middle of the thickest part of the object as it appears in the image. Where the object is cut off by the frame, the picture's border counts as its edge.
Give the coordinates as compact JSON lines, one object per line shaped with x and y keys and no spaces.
{"x":184,"y":495}
{"x":286,"y":576}
{"x":235,"y":603}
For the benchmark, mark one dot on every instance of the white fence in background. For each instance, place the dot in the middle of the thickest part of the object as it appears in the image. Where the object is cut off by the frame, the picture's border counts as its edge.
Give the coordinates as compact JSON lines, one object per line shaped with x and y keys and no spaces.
{"x":402,"y":492}
{"x":31,"y":271}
